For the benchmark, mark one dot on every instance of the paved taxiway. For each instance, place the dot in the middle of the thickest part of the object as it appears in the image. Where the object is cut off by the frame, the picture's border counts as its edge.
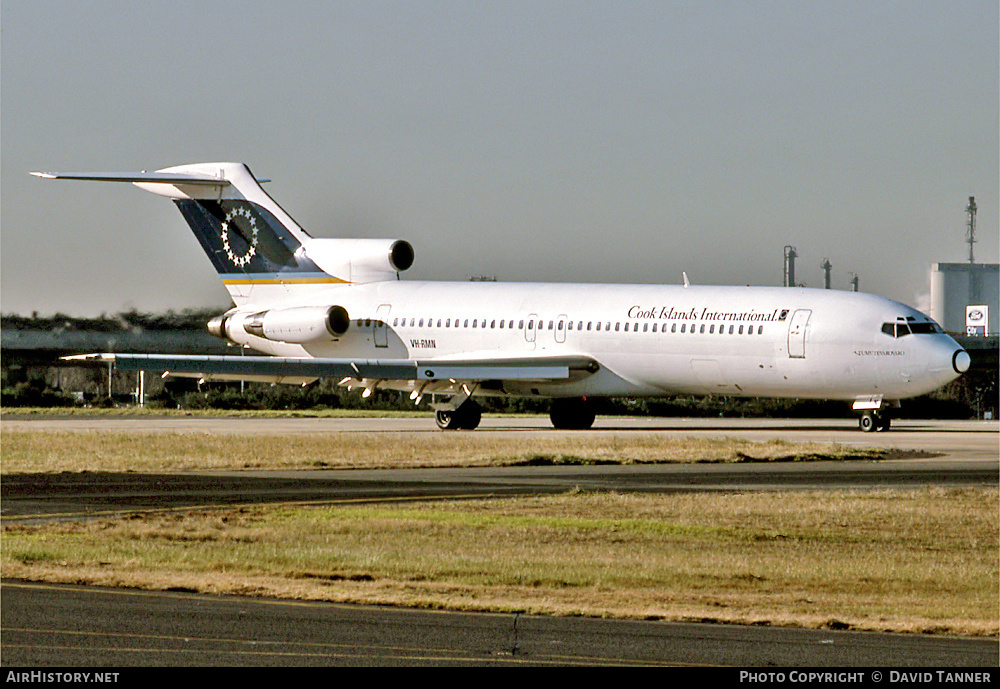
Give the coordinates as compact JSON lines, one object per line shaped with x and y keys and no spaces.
{"x":958,"y":453}
{"x":55,"y":625}
{"x":49,"y":625}
{"x":933,"y":435}
{"x":956,"y":439}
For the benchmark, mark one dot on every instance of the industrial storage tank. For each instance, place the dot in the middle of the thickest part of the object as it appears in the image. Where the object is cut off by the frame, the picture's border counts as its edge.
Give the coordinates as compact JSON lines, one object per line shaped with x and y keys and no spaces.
{"x":954,"y":286}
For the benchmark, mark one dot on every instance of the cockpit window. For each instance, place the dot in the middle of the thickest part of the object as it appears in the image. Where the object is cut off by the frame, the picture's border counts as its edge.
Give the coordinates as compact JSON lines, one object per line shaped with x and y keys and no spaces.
{"x":902,"y":329}
{"x":896,"y":329}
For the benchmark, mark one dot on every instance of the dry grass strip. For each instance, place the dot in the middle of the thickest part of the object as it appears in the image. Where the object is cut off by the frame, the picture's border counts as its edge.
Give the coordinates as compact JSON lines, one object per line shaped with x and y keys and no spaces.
{"x":908,"y":561}
{"x":40,"y":451}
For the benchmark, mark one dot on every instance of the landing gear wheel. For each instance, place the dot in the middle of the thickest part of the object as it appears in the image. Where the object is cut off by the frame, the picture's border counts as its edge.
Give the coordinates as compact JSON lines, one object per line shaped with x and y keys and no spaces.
{"x":875,"y":421}
{"x":466,"y":417}
{"x":572,"y":414}
{"x":445,"y":420}
{"x":471,"y":414}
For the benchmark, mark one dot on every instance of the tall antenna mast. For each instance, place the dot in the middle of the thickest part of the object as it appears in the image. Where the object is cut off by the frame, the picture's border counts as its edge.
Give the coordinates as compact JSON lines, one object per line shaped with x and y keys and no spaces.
{"x":970,"y":227}
{"x":827,"y":267}
{"x":790,"y":255}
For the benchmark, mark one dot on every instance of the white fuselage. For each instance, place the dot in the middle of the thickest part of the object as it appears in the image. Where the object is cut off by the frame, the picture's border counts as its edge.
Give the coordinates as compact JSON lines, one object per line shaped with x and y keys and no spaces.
{"x":340,"y":301}
{"x":649,"y":340}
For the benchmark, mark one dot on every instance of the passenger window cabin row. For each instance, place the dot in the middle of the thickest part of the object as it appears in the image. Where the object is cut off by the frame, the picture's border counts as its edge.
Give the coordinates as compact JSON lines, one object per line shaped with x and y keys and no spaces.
{"x":590,"y":326}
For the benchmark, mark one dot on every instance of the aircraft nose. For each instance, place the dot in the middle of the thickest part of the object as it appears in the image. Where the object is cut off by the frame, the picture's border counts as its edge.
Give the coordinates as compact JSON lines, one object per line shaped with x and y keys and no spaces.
{"x":960,"y":361}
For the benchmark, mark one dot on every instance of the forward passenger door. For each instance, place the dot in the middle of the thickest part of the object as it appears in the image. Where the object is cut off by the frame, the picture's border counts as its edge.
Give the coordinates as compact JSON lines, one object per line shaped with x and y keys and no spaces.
{"x":797,"y":334}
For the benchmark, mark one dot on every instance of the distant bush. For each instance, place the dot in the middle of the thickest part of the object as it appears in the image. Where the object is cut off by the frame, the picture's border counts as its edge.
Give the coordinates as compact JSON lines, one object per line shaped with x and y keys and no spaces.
{"x":34,"y":393}
{"x":256,"y":396}
{"x":127,"y":321}
{"x":971,"y":396}
{"x":328,"y":395}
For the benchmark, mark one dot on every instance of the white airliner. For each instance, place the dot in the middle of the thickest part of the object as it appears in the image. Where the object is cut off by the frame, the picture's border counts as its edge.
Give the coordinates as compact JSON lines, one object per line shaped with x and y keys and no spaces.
{"x":336,"y":308}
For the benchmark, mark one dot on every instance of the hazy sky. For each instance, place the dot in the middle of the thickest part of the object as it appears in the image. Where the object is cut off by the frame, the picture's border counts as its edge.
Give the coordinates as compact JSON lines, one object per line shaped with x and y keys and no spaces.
{"x":550,"y":141}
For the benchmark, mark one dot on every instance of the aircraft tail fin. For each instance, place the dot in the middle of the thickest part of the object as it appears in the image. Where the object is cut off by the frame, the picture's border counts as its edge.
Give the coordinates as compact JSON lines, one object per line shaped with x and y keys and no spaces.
{"x":258,"y":250}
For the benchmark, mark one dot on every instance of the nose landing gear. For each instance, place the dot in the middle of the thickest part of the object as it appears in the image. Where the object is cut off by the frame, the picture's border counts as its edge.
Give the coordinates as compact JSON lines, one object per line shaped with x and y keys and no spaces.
{"x":872,"y":420}
{"x":874,"y":412}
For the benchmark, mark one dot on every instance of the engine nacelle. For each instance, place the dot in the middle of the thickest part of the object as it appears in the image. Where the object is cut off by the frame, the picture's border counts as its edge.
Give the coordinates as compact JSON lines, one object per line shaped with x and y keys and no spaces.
{"x":298,"y":324}
{"x":361,"y":260}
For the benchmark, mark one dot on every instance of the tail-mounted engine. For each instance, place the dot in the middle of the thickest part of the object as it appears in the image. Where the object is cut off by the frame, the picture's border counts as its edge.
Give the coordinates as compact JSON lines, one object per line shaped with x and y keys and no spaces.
{"x":361,"y":260}
{"x":298,"y":325}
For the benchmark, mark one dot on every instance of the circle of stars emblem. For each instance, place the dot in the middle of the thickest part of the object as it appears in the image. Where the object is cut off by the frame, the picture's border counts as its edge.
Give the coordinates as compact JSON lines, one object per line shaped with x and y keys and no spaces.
{"x":247,"y":256}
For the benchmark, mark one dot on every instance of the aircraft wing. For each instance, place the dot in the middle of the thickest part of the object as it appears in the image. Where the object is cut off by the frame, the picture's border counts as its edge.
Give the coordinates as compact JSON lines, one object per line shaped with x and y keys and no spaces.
{"x":301,"y":370}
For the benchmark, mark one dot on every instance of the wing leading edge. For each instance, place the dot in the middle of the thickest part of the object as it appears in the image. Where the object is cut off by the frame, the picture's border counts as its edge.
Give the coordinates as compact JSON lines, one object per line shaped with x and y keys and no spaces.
{"x":283,"y":369}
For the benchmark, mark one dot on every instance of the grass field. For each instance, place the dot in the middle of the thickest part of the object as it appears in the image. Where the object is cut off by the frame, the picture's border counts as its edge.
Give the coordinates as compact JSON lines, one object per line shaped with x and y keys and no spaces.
{"x":39,"y":451}
{"x":909,"y":561}
{"x":915,"y":561}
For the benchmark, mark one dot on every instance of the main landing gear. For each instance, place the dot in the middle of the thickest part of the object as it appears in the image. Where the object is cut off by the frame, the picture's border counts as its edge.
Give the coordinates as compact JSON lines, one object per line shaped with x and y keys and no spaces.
{"x":466,"y":417}
{"x":872,"y":420}
{"x":575,"y":413}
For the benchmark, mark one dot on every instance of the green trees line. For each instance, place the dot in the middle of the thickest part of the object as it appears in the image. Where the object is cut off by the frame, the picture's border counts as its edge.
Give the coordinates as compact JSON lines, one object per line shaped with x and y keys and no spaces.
{"x":972,"y":396}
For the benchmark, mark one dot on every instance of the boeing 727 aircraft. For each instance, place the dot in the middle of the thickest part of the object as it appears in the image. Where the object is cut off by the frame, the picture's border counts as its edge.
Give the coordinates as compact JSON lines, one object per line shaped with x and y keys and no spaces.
{"x":336,"y":308}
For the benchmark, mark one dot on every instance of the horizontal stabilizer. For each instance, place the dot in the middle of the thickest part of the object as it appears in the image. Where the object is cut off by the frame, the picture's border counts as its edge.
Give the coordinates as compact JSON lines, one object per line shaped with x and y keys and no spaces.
{"x":139,"y":177}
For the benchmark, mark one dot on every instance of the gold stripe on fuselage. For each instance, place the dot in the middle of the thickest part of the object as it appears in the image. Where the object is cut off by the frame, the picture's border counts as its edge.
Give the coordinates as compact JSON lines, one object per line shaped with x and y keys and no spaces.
{"x":284,"y":281}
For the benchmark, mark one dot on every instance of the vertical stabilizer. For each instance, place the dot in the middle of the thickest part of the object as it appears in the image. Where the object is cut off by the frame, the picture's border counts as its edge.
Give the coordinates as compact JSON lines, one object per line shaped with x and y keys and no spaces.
{"x":258,"y":250}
